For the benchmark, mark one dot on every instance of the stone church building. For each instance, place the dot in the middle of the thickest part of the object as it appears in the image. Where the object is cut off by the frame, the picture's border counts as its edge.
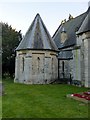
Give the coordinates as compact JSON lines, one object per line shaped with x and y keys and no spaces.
{"x":36,"y":59}
{"x":42,"y":59}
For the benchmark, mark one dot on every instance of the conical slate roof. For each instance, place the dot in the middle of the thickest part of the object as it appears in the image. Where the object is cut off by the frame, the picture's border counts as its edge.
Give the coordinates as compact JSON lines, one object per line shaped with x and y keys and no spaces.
{"x":37,"y":37}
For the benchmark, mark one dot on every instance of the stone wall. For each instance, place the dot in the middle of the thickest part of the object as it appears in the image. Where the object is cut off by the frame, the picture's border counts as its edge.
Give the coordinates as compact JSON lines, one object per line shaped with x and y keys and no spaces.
{"x":81,"y":60}
{"x":36,"y":67}
{"x":86,"y":39}
{"x":76,"y":65}
{"x":89,"y":61}
{"x":68,"y":69}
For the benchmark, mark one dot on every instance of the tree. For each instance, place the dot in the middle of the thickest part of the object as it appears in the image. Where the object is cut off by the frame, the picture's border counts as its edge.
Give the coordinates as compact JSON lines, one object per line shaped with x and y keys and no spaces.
{"x":10,"y":40}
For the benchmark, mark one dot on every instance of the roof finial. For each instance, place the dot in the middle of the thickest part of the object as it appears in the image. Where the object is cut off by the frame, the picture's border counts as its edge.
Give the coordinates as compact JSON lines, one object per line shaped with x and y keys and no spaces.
{"x":70,"y":17}
{"x":63,"y":21}
{"x":37,"y":14}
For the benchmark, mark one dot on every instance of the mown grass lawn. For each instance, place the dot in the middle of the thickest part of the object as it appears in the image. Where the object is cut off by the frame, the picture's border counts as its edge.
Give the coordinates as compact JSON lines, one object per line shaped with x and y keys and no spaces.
{"x":41,"y":101}
{"x":0,"y":102}
{"x":0,"y":107}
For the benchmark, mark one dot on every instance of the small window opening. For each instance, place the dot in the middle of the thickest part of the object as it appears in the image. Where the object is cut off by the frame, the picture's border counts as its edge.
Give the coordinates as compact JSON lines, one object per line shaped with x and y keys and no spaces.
{"x":23,"y":64}
{"x":63,"y":66}
{"x":38,"y":58}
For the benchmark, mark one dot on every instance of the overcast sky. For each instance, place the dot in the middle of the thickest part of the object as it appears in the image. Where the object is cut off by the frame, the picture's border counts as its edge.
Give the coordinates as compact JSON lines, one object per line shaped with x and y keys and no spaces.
{"x":21,"y":14}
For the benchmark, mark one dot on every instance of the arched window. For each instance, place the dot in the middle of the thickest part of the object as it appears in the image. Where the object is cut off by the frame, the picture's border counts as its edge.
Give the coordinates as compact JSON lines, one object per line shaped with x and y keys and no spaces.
{"x":63,"y":66}
{"x":38,"y":58}
{"x":22,"y":64}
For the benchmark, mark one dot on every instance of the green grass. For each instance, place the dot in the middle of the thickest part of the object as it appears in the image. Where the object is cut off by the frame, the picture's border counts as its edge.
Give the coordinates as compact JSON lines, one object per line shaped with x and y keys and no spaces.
{"x":0,"y":107}
{"x":41,"y":101}
{"x":0,"y":104}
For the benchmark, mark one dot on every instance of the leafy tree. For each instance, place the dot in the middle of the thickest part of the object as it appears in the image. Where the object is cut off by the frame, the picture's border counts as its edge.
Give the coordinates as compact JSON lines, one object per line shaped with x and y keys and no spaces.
{"x":10,"y":40}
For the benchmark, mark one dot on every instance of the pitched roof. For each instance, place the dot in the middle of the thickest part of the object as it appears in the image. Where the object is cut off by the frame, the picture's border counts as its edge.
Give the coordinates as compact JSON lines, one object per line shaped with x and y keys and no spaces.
{"x":65,"y":55}
{"x":71,"y":26}
{"x":37,"y":37}
{"x":86,"y":24}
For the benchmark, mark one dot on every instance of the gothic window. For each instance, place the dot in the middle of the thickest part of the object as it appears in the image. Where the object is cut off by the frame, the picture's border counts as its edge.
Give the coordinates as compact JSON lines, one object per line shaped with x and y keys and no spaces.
{"x":38,"y":58}
{"x":63,"y":66}
{"x":23,"y":64}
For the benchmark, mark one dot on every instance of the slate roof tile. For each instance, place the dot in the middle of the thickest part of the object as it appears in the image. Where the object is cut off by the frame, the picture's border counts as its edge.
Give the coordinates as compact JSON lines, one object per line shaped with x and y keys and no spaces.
{"x":37,"y":37}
